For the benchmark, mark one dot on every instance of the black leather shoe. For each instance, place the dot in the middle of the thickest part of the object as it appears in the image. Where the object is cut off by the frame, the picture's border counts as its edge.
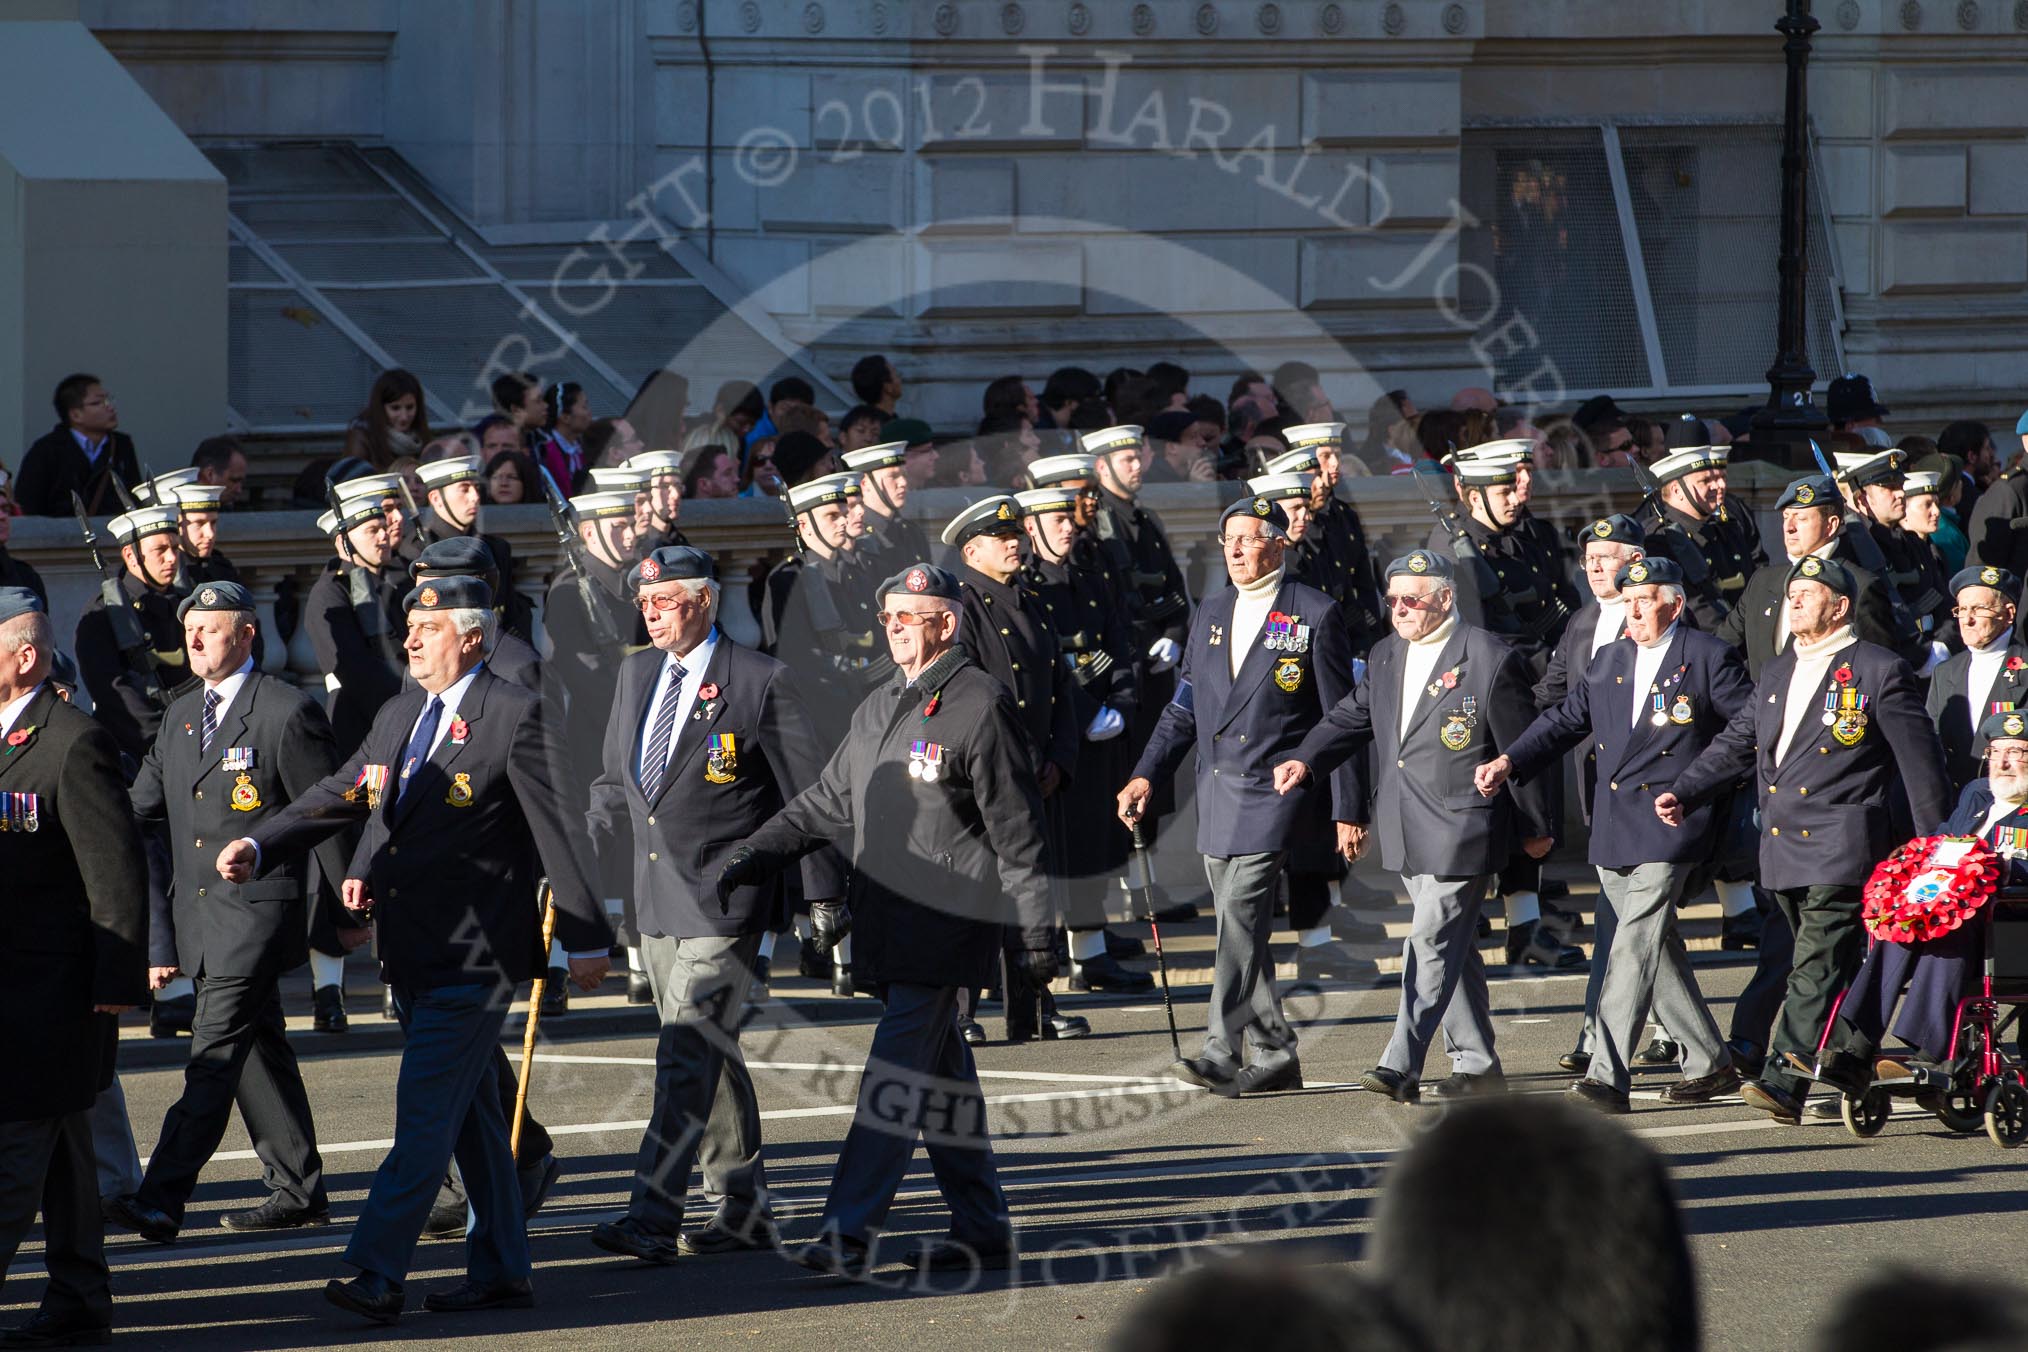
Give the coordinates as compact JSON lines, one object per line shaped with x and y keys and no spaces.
{"x":1104,"y":973}
{"x":1392,"y":1083}
{"x":327,"y":1010}
{"x":813,"y":962}
{"x":167,"y":1018}
{"x":1660,"y":1051}
{"x":630,"y":1239}
{"x":639,"y":992}
{"x":972,"y":1031}
{"x":833,"y":1254}
{"x":1576,"y":1059}
{"x":752,"y":1235}
{"x":368,"y":1294}
{"x":277,"y":1213}
{"x":1741,"y":931}
{"x":536,"y":1178}
{"x":1529,"y":944}
{"x":50,"y":1330}
{"x":1349,"y":927}
{"x":1603,"y":1097}
{"x":448,"y":1213}
{"x":1334,"y":962}
{"x":951,"y":1254}
{"x":131,"y":1213}
{"x":1064,"y":1027}
{"x":1202,"y":1073}
{"x":1748,"y":1058}
{"x":518,"y":1294}
{"x":763,"y":972}
{"x":1258,"y":1079}
{"x":1703,"y":1088}
{"x":1773,"y":1100}
{"x":556,"y":993}
{"x":1830,"y":1107}
{"x":1842,"y":1071}
{"x":1120,"y":947}
{"x":1458,"y":1085}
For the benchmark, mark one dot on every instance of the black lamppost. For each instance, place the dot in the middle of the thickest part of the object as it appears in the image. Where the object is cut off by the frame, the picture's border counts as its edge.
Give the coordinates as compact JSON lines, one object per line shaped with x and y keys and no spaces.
{"x":1779,"y":429}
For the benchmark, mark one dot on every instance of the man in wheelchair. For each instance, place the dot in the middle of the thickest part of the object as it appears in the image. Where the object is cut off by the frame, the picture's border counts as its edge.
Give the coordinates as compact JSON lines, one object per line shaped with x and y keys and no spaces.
{"x":1929,"y":978}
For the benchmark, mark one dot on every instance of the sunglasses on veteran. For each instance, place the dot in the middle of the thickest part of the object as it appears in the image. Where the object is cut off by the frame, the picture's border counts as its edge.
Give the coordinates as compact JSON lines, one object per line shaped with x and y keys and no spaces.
{"x":1428,"y":602}
{"x":666,"y":602}
{"x":907,"y":618}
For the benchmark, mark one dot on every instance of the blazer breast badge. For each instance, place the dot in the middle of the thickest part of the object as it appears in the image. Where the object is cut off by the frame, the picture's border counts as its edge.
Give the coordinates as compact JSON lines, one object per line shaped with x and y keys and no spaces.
{"x":245,"y":797}
{"x":1289,"y":674}
{"x":1456,"y":732}
{"x":460,"y":794}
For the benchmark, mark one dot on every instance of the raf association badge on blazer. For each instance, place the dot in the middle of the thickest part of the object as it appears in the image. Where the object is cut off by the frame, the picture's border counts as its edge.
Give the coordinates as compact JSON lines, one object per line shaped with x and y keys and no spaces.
{"x":460,"y":794}
{"x":245,"y":797}
{"x":1289,"y":674}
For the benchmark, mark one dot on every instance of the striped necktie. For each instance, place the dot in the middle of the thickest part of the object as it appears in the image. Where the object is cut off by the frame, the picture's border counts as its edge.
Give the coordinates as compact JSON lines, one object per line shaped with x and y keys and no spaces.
{"x":655,"y":760}
{"x":210,"y":729}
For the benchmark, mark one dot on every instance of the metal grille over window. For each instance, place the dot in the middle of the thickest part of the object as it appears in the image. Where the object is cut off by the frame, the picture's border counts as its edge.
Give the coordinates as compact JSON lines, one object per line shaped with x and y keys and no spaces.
{"x":1643,"y":257}
{"x":343,"y":261}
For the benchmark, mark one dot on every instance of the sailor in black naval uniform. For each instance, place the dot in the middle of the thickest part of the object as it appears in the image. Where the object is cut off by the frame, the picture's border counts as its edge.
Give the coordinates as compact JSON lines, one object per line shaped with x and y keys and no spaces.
{"x":884,"y":492}
{"x":452,"y":487}
{"x":664,"y":487}
{"x":1835,"y":729}
{"x":1337,"y":560}
{"x":1713,"y":540}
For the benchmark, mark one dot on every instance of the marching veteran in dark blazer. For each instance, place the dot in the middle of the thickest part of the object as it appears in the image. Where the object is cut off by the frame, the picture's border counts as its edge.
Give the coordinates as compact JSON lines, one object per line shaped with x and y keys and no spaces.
{"x":75,"y":910}
{"x":705,"y":742}
{"x":1646,"y":706}
{"x":1936,"y":973}
{"x":233,"y":751}
{"x":1989,"y":676}
{"x":1836,"y":727}
{"x":1264,"y":658}
{"x":457,"y":785}
{"x":1440,"y":698}
{"x":933,"y":793}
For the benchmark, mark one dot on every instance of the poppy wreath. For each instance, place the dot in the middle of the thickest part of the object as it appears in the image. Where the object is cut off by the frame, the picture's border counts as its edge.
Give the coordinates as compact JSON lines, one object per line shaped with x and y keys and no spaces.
{"x":1911,"y":898}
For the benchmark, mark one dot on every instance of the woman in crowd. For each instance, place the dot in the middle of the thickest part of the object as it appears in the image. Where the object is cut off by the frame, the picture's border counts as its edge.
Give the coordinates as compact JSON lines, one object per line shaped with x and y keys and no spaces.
{"x":394,"y":422}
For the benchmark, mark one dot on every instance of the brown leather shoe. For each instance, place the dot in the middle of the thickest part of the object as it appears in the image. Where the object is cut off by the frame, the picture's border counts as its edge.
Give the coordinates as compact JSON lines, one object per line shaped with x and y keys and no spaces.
{"x":1773,"y":1100}
{"x":1702,"y":1088}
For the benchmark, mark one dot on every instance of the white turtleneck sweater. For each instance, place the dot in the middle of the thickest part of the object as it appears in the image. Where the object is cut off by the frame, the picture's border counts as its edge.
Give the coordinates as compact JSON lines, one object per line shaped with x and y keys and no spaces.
{"x":1806,"y":683}
{"x":1612,"y":617}
{"x":1249,"y":614}
{"x":2001,"y":809}
{"x":1647,"y":668}
{"x":1418,"y":664}
{"x":1980,"y":673}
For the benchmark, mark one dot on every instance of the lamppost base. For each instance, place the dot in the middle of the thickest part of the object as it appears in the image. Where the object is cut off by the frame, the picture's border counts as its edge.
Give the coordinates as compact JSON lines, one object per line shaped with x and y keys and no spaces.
{"x":1782,"y":435}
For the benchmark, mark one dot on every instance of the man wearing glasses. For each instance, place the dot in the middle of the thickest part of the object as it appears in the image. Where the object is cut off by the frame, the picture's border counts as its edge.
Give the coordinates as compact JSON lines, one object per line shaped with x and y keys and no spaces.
{"x":1440,"y":698}
{"x":1990,"y":676}
{"x":934,"y":788}
{"x":1265,"y":658}
{"x":83,"y":454}
{"x":705,"y":742}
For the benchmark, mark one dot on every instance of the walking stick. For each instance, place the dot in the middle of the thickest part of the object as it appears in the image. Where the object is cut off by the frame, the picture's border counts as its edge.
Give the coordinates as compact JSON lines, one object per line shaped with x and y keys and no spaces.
{"x":1154,"y":928}
{"x":534,"y":1016}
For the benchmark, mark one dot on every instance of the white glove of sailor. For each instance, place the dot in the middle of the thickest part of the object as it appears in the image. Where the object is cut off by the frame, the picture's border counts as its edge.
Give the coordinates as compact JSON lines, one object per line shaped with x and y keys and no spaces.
{"x":1107,"y":723}
{"x":1163,"y":652}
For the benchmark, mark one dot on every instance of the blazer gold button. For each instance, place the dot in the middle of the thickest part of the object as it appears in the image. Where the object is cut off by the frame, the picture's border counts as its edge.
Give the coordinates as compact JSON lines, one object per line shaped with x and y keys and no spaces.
{"x":651,"y":821}
{"x":1774,"y":830}
{"x":394,"y":849}
{"x":652,"y":857}
{"x":200,"y":844}
{"x":200,"y":891}
{"x":1401,"y":765}
{"x":200,"y":793}
{"x":1616,"y":784}
{"x":1803,"y":790}
{"x":1806,"y":832}
{"x":393,"y":892}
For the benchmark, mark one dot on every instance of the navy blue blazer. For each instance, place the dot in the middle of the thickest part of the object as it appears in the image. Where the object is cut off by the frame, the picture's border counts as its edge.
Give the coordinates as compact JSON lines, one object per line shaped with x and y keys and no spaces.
{"x":1241,"y":728}
{"x":1825,"y":814}
{"x":1702,"y":683}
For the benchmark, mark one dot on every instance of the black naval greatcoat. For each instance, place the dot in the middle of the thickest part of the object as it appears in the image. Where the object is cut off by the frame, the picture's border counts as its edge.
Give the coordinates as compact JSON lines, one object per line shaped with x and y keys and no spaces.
{"x":356,"y":627}
{"x":817,"y":618}
{"x":1534,"y":598}
{"x":120,"y":681}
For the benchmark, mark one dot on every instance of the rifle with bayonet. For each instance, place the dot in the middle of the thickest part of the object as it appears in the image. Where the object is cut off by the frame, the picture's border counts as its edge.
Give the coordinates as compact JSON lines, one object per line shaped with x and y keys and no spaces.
{"x":128,"y":635}
{"x":600,"y":618}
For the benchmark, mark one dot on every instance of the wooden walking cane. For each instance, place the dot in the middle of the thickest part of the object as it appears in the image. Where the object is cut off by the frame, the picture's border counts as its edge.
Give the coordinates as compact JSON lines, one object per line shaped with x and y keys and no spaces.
{"x":534,"y":1016}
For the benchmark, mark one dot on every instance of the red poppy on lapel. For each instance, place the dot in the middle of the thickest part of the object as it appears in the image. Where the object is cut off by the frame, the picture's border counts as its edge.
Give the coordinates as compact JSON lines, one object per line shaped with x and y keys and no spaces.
{"x":709,"y":690}
{"x":460,"y":730}
{"x":20,"y":736}
{"x":2015,"y":664}
{"x":1843,"y":675}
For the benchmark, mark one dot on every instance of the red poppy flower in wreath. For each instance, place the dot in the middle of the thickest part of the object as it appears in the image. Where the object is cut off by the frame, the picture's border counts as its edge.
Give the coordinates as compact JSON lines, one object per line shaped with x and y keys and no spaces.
{"x":1929,"y":887}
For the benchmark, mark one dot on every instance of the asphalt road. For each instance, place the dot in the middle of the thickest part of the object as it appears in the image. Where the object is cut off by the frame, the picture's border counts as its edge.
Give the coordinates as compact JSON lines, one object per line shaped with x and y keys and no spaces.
{"x":1115,"y":1176}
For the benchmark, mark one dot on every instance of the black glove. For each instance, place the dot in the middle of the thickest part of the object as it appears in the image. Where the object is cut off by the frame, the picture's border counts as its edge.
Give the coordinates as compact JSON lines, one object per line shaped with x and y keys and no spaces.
{"x":1039,"y":963}
{"x":740,"y":869}
{"x":830,"y":921}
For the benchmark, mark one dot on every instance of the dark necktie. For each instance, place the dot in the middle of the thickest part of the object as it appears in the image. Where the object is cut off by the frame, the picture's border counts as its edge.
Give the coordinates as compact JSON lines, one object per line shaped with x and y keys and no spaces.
{"x":655,"y":760}
{"x":419,"y":744}
{"x":210,"y":729}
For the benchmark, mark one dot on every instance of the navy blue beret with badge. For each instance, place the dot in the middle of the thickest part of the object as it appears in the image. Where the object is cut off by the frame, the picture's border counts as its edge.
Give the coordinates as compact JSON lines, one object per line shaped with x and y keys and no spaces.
{"x":1650,"y":573}
{"x":454,"y":554}
{"x":2009,"y":725}
{"x":921,"y":579}
{"x":216,"y":596}
{"x":1422,"y":563}
{"x":450,"y":593}
{"x":672,"y":563}
{"x":1999,"y":579}
{"x":1617,"y":529}
{"x":1814,"y":490}
{"x":1828,"y":572}
{"x":1263,"y":510}
{"x":18,"y":601}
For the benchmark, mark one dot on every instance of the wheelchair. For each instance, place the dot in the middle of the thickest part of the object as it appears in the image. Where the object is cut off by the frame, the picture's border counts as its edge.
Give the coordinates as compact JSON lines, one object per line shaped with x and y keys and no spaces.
{"x":1981,"y":1083}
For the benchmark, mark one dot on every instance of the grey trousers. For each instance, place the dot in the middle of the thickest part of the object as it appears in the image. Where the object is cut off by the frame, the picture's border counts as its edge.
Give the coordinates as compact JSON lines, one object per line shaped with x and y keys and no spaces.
{"x":46,"y":1166}
{"x":1645,"y":966}
{"x":1443,"y":979}
{"x":704,"y":1111}
{"x":920,"y":1080}
{"x":1243,"y":1000}
{"x":119,"y":1163}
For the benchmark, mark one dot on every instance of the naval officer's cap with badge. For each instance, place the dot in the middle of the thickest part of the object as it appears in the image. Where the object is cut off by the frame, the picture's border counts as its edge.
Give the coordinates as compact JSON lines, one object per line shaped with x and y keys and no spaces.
{"x":2000,"y":580}
{"x":999,"y":515}
{"x":216,"y":596}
